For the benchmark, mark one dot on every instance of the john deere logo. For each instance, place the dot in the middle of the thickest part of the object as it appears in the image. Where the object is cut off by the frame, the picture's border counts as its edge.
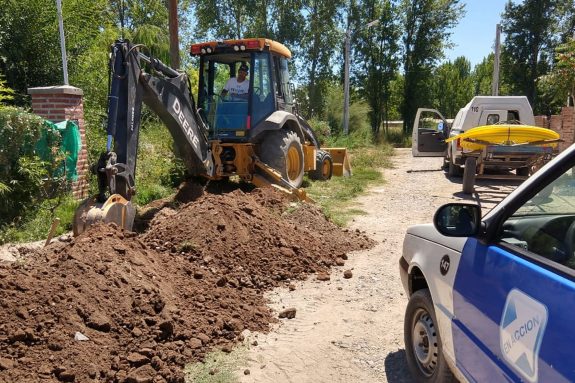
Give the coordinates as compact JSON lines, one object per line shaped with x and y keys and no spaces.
{"x":521,"y":333}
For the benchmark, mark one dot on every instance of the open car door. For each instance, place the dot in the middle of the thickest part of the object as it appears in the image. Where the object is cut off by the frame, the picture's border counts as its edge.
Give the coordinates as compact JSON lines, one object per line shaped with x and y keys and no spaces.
{"x":430,"y":130}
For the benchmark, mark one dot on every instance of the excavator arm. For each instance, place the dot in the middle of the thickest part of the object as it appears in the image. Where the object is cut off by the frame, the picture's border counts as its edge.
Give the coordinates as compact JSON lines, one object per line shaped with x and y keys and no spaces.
{"x":166,"y":92}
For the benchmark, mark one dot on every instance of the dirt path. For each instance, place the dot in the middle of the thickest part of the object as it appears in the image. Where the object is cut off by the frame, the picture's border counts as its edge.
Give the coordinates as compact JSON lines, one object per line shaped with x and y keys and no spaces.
{"x":351,"y":330}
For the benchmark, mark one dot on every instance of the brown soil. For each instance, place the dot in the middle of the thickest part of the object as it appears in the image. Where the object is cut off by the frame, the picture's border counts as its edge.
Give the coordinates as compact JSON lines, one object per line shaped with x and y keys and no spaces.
{"x":149,"y":303}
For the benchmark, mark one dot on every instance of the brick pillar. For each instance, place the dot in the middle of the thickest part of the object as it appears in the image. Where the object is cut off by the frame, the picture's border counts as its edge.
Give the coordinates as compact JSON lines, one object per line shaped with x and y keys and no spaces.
{"x":59,"y":103}
{"x":568,"y":127}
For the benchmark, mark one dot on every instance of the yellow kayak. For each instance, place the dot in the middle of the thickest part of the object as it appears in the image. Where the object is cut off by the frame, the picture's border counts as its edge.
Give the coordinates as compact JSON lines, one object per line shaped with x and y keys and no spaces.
{"x":506,"y":134}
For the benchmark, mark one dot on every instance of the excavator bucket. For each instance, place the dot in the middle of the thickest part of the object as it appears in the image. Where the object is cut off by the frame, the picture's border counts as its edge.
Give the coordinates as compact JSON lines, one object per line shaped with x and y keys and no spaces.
{"x":116,"y":209}
{"x":340,"y":159}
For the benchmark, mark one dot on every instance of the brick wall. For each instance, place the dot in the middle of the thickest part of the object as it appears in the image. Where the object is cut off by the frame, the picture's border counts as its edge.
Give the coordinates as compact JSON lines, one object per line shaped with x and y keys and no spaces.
{"x":58,"y":103}
{"x":563,"y":123}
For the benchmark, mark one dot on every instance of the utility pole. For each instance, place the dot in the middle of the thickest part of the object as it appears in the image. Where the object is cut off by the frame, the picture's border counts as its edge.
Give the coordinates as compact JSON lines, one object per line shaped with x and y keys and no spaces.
{"x":495,"y":80}
{"x":173,"y":28}
{"x":62,"y":41}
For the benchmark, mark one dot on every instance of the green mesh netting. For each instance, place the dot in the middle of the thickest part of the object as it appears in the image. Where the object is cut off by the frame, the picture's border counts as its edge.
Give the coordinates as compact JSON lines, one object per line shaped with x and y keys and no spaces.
{"x":65,"y":136}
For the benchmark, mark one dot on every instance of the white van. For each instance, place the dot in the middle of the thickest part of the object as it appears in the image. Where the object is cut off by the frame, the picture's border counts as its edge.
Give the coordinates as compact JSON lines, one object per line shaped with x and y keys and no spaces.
{"x":430,"y":129}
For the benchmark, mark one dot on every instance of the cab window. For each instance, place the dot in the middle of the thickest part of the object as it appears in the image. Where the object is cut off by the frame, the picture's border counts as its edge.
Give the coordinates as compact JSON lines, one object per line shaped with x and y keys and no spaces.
{"x":215,"y":71}
{"x":262,"y":93}
{"x":513,"y":115}
{"x":282,"y":88}
{"x":492,"y":119}
{"x":545,"y":225}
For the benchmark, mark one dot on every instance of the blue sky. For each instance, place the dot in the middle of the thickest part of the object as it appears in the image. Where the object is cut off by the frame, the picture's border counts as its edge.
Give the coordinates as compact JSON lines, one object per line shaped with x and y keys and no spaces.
{"x":474,"y":36}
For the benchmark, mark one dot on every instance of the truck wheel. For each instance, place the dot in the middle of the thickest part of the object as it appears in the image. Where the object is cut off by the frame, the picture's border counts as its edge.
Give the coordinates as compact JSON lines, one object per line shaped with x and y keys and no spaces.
{"x":423,"y":347}
{"x":323,"y":167}
{"x":469,"y":174}
{"x":523,"y":172}
{"x":282,"y":150}
{"x":453,"y":170}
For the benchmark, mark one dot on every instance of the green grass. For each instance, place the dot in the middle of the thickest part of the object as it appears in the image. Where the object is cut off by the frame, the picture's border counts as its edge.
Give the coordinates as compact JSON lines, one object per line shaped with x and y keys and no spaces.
{"x":218,"y":367}
{"x":334,"y":196}
{"x":37,"y":225}
{"x":158,"y":170}
{"x":395,"y":137}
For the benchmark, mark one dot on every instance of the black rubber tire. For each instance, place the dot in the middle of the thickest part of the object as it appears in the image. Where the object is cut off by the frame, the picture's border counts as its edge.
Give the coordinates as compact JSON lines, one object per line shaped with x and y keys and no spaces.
{"x":523,"y":172}
{"x":323,"y":167}
{"x":445,"y":164}
{"x":453,"y":170}
{"x":469,"y":174}
{"x":283,"y":151}
{"x":420,"y":326}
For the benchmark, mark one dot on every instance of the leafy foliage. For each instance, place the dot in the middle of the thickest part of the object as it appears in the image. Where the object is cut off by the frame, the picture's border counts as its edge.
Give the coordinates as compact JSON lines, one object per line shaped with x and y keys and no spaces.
{"x":159,"y":171}
{"x":6,"y":93}
{"x":21,"y":171}
{"x":452,"y":86}
{"x":527,"y":50}
{"x":427,"y":29}
{"x":556,"y":86}
{"x":377,"y":46}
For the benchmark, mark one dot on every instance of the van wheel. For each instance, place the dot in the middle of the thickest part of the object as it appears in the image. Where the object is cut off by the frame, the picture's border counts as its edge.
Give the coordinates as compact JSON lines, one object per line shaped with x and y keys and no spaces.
{"x":423,"y":347}
{"x":323,"y":167}
{"x":282,"y":150}
{"x":469,"y":174}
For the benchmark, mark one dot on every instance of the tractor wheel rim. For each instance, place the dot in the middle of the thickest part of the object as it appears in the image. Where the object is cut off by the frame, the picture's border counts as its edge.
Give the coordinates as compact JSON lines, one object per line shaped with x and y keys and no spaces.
{"x":425,"y":343}
{"x":325,"y":168}
{"x":293,"y":163}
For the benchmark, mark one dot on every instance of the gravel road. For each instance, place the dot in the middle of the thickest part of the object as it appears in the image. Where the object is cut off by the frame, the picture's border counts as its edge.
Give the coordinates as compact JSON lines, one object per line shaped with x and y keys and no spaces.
{"x":351,"y":330}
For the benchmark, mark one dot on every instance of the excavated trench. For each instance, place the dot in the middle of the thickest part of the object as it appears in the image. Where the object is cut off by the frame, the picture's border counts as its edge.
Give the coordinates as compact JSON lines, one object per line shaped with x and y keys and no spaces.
{"x":119,"y":306}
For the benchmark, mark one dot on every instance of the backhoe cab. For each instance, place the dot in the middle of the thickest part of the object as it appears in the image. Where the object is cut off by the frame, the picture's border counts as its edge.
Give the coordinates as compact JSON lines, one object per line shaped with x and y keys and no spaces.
{"x":266,"y":117}
{"x":238,"y":118}
{"x":257,"y":135}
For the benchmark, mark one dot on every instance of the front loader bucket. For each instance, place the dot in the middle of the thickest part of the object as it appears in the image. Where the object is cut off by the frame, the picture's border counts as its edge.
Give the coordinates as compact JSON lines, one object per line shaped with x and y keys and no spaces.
{"x":116,"y":209}
{"x":341,"y":165}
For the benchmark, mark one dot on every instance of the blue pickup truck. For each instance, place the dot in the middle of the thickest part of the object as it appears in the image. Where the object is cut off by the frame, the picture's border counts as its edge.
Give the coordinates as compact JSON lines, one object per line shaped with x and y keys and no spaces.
{"x":492,"y":299}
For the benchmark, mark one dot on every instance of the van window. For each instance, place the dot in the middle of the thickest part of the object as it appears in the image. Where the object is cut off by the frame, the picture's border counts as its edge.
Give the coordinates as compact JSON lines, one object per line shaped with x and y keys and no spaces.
{"x":492,"y":119}
{"x":513,"y":115}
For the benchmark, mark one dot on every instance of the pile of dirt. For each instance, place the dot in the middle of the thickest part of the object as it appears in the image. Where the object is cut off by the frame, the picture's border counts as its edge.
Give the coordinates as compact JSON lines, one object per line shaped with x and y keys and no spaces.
{"x":117,"y":306}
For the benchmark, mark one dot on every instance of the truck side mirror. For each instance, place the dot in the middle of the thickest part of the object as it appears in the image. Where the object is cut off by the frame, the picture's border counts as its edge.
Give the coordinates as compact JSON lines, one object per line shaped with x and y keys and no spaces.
{"x":458,"y":220}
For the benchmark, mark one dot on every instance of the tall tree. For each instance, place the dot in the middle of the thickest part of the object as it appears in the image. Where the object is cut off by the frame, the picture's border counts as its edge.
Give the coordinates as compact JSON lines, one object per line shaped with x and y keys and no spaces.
{"x":483,"y":76}
{"x":453,"y":86}
{"x":29,"y":45}
{"x":528,"y":46}
{"x":376,"y":56}
{"x":559,"y":84}
{"x":566,"y":20}
{"x":428,"y":25}
{"x":227,"y":19}
{"x":319,"y":46}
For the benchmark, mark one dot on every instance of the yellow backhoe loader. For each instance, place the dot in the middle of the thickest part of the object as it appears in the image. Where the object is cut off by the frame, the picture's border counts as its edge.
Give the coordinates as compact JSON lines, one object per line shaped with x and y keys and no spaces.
{"x":257,"y":135}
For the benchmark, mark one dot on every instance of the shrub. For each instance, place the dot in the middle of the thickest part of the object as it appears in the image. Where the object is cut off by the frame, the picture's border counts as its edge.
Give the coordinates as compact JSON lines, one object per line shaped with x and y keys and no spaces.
{"x":321,"y":130}
{"x":21,"y":171}
{"x":158,"y":169}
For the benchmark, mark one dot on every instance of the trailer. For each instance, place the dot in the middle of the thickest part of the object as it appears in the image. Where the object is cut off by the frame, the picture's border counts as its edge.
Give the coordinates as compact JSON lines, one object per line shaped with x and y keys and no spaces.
{"x":524,"y":159}
{"x":490,"y":133}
